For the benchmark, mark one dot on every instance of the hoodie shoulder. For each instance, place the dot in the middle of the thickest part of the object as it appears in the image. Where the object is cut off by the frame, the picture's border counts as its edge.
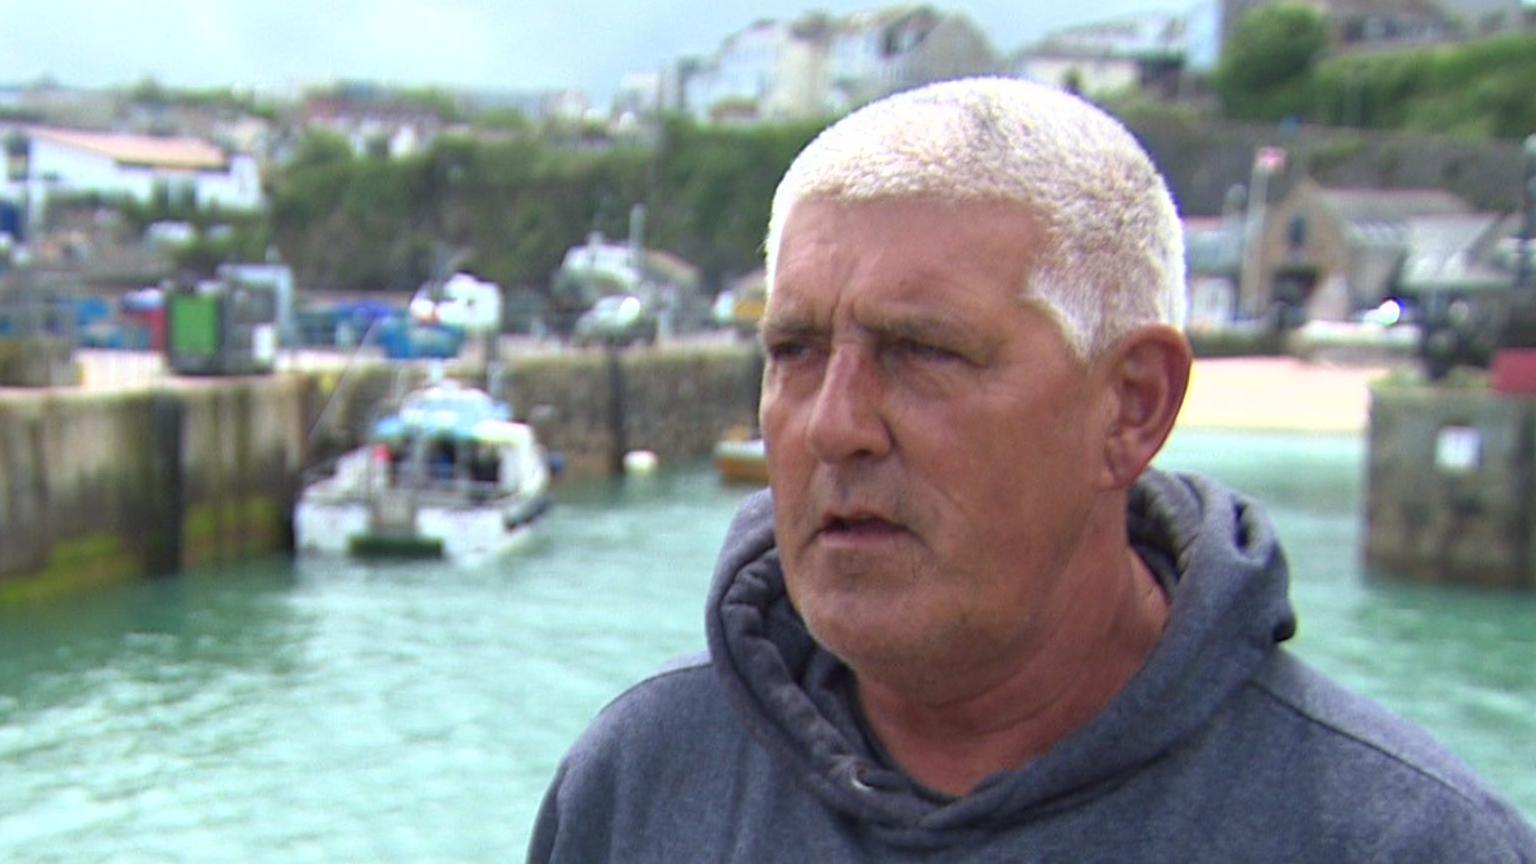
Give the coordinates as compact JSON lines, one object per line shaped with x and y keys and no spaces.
{"x":681,"y":688}
{"x":1400,"y":778}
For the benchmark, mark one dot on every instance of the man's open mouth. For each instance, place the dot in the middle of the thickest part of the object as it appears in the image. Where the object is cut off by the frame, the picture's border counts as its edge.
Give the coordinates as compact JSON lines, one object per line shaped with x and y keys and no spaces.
{"x":858,"y":525}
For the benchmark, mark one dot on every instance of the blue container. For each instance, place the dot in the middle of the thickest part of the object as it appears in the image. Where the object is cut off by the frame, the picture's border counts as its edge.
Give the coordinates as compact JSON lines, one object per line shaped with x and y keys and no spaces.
{"x":403,"y":339}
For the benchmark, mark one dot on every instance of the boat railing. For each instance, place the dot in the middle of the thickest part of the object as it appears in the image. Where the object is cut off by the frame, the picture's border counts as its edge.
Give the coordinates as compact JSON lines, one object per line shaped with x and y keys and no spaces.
{"x":450,"y":489}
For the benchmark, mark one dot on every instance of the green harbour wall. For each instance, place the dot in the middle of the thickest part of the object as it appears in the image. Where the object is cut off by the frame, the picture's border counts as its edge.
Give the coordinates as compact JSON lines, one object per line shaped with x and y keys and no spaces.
{"x":102,"y":486}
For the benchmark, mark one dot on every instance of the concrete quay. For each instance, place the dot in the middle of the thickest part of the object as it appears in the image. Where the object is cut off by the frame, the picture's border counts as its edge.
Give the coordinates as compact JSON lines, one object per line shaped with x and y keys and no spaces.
{"x":1280,"y":394}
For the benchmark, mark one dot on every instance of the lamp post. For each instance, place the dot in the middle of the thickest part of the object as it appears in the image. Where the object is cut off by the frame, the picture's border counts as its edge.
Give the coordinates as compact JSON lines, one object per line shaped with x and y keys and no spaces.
{"x":1514,"y":358}
{"x":1266,"y":162}
{"x":1523,"y":274}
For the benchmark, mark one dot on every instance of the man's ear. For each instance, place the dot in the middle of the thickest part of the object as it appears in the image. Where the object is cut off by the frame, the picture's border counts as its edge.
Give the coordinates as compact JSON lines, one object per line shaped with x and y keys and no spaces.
{"x":1147,"y":372}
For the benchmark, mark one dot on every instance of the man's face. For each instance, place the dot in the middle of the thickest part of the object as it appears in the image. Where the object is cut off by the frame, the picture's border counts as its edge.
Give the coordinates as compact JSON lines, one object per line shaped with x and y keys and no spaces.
{"x":931,"y":439}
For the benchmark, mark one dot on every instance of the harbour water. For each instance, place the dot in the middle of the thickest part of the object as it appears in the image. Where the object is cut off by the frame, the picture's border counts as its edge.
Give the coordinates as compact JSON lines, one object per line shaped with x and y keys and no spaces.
{"x":336,"y":711}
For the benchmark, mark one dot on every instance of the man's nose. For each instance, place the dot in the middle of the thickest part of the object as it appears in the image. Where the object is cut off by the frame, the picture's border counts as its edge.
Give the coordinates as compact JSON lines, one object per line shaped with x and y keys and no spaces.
{"x":847,"y":419}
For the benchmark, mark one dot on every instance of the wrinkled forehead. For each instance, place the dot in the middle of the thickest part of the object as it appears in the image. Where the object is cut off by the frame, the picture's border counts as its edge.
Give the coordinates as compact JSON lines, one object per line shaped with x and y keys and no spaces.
{"x":907,"y":246}
{"x":914,"y":253}
{"x":902,"y":225}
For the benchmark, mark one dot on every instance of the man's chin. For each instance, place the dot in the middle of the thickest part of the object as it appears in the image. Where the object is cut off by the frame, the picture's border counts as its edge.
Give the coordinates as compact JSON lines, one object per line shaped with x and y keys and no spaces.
{"x":855,"y":618}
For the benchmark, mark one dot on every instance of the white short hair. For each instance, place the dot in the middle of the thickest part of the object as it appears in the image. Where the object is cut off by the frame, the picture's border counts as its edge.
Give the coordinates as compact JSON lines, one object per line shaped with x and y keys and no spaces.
{"x":1115,"y":248}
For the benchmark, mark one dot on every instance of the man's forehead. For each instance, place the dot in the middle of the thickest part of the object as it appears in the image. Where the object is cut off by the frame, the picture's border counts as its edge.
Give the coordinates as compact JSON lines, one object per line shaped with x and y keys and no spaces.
{"x":804,"y":225}
{"x":828,"y":242}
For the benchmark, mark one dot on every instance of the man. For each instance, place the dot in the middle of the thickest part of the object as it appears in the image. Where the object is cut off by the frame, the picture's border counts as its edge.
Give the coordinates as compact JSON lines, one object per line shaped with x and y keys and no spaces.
{"x":971,"y":624}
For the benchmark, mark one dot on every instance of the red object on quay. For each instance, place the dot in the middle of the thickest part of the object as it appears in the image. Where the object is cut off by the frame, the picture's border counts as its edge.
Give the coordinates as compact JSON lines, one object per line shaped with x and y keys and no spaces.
{"x":1514,"y":371}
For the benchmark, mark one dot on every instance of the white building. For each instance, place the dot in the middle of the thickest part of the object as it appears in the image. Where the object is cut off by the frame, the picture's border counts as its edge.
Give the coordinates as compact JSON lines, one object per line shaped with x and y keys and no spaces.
{"x":1118,"y":54}
{"x":70,"y":162}
{"x":883,"y":51}
{"x":1089,"y":74}
{"x":639,"y":94}
{"x":743,"y":72}
{"x":819,"y":65}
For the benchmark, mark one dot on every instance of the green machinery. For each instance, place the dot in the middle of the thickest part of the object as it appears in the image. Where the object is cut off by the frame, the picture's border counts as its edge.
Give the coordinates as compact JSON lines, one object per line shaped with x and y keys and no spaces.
{"x":222,"y":327}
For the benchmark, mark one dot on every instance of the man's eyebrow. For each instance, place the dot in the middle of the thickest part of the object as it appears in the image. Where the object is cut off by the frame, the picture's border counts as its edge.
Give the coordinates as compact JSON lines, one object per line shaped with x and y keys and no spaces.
{"x":788,"y":326}
{"x":918,"y":329}
{"x":928,"y":328}
{"x":935,"y":329}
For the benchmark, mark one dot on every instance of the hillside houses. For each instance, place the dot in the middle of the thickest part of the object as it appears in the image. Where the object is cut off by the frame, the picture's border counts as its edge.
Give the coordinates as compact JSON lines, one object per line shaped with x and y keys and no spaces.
{"x":203,"y":148}
{"x":1133,"y":52}
{"x":67,"y":162}
{"x":820,"y":66}
{"x":390,"y":128}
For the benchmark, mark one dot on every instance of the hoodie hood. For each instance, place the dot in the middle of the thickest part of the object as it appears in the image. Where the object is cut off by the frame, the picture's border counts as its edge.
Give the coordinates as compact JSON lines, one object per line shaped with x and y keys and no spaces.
{"x":1228,"y":585}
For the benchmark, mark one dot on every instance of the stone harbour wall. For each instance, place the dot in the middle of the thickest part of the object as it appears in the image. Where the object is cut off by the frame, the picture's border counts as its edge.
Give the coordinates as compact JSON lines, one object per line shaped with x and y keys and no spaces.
{"x":1451,"y":488}
{"x":101,"y":486}
{"x":104,"y":485}
{"x":593,"y":408}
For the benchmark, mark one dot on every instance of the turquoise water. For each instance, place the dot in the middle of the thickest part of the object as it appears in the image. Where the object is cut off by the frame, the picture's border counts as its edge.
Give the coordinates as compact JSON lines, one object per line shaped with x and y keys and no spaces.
{"x":330,"y":711}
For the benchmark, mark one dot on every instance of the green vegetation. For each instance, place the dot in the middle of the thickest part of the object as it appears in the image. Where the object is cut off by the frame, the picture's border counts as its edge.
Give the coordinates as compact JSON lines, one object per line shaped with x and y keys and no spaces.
{"x":220,"y":235}
{"x":1138,"y":110}
{"x":1479,"y":90}
{"x":1277,"y":67}
{"x":367,"y":223}
{"x":430,"y":100}
{"x":1229,"y":342}
{"x":1266,"y":70}
{"x":75,"y":565}
{"x":227,"y":100}
{"x":363,"y":223}
{"x":223,"y":529}
{"x":713,"y":187}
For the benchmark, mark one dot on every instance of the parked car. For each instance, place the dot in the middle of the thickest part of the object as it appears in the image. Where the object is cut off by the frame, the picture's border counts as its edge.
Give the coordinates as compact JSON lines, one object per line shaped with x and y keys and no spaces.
{"x":618,"y":319}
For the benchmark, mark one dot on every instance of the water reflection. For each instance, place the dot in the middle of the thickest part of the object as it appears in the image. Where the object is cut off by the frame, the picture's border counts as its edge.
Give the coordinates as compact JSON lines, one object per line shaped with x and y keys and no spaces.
{"x":332,"y":710}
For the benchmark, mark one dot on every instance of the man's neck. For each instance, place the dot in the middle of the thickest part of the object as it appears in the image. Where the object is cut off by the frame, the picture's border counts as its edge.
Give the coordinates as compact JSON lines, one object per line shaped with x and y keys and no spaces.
{"x":951,"y":745}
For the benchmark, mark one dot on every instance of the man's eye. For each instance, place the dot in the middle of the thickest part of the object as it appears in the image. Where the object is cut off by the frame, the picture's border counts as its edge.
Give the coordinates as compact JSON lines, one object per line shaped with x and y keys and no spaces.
{"x":786,"y":349}
{"x":925,"y":351}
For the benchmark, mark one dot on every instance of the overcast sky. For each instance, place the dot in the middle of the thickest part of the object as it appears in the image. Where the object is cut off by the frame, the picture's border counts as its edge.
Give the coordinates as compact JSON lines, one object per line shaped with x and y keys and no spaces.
{"x":500,"y":44}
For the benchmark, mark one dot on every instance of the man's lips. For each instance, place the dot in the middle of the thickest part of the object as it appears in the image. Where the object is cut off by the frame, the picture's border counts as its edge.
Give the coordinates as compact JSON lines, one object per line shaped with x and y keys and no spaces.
{"x":857,"y":525}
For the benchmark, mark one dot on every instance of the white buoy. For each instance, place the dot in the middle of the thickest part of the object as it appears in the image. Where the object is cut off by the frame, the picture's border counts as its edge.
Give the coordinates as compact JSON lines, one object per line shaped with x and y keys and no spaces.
{"x":640,"y":463}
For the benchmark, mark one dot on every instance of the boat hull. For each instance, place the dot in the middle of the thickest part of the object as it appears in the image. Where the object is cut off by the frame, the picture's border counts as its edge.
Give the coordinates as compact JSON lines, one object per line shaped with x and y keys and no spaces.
{"x":743,"y":462}
{"x":345,"y":528}
{"x":447,"y":474}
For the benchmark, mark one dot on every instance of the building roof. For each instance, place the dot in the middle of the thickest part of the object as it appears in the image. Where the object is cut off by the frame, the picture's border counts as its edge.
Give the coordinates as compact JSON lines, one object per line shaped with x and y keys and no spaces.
{"x":185,"y":153}
{"x":883,"y":16}
{"x":1150,"y":34}
{"x":1448,"y":234}
{"x":1361,"y":206}
{"x":1456,"y":249}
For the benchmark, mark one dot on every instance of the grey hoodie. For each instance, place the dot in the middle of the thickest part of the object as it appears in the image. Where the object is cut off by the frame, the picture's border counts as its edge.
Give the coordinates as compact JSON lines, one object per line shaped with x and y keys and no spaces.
{"x":1223,"y":748}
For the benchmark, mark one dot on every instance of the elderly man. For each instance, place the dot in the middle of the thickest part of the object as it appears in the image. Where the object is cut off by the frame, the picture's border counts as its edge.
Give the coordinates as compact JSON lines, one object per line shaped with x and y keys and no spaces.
{"x":970,"y":623}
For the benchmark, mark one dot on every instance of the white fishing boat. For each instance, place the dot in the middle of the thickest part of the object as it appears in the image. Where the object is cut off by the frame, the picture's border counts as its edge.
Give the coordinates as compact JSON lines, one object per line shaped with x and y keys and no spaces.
{"x":450,"y":474}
